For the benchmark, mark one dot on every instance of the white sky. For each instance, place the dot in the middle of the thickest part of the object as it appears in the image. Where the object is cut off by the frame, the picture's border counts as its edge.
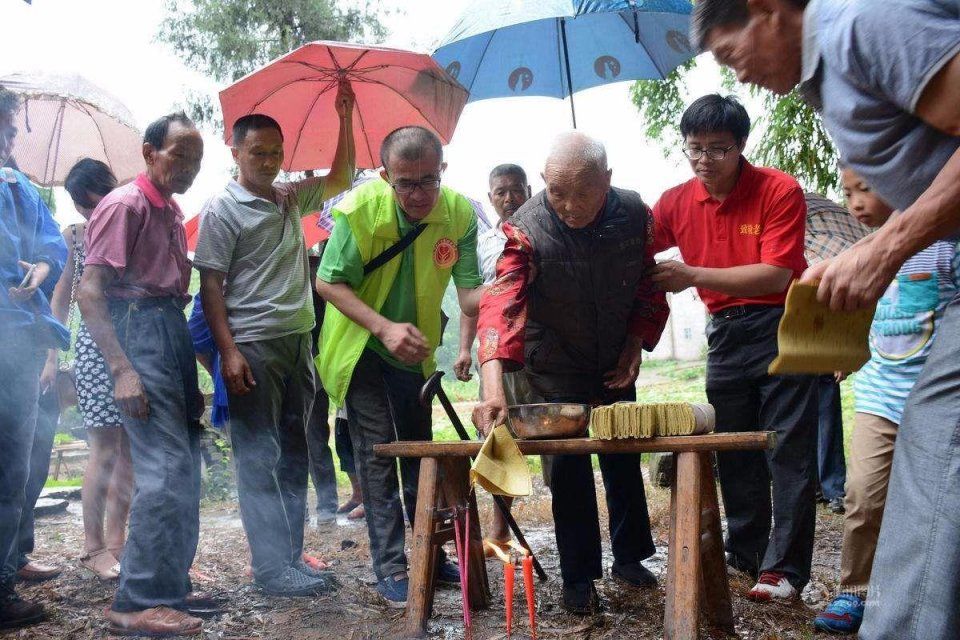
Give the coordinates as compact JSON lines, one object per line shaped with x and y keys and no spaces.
{"x":112,"y":43}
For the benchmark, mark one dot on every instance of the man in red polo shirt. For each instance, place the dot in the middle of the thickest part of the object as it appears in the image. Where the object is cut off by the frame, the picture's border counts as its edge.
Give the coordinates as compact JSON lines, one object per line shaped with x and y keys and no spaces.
{"x":740,"y":231}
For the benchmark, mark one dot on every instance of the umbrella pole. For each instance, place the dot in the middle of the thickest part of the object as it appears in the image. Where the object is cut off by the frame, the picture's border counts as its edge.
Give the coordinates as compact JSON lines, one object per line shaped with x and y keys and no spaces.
{"x":566,"y":64}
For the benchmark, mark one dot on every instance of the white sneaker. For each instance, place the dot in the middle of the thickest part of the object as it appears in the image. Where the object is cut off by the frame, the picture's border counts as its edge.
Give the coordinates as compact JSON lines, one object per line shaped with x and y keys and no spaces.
{"x":772,"y":586}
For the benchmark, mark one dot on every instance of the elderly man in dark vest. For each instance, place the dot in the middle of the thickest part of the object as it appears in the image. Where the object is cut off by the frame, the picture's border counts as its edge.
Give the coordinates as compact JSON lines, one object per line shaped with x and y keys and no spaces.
{"x":573,"y":305}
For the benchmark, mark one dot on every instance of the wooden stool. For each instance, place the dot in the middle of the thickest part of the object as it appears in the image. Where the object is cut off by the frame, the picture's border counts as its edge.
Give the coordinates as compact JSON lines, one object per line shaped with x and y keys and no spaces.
{"x":696,"y":567}
{"x":444,"y":484}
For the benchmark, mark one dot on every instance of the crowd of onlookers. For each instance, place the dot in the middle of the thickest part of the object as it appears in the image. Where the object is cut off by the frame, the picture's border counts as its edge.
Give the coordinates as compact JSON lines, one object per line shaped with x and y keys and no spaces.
{"x":563,"y":296}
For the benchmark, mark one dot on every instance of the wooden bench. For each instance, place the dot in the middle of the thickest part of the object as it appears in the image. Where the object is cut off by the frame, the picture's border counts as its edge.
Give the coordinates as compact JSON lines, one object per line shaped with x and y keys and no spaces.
{"x":696,"y":569}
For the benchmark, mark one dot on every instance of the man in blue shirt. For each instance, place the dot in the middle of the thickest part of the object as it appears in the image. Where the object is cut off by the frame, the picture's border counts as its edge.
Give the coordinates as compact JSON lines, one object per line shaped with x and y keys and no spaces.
{"x":885,"y":77}
{"x":32,"y":255}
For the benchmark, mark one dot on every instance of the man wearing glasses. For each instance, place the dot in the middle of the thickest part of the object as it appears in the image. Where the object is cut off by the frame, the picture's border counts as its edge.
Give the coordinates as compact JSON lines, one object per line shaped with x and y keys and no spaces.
{"x":395,"y":245}
{"x":740,"y":231}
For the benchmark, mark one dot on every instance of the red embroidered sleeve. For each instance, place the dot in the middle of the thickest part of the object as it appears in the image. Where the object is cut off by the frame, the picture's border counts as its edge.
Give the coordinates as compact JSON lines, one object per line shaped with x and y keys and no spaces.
{"x":503,"y":306}
{"x":650,"y":308}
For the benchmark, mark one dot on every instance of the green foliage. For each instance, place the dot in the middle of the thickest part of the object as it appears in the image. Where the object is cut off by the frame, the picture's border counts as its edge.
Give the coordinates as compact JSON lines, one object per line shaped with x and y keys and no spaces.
{"x":217,"y":484}
{"x":62,"y":438}
{"x":792,"y":136}
{"x":795,"y":141}
{"x":227,"y":39}
{"x":661,"y":102}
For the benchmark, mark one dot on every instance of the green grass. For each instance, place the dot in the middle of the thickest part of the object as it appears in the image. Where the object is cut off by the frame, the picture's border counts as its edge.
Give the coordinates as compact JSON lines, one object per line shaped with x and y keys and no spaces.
{"x":74,"y":481}
{"x":63,"y":438}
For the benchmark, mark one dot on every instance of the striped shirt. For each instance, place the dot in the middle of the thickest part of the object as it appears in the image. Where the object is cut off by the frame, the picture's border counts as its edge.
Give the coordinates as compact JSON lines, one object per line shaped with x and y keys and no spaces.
{"x":904,"y":328}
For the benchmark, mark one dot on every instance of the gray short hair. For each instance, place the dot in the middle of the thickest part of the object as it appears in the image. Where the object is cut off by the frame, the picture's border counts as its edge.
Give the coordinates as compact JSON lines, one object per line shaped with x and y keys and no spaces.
{"x":580,"y":148}
{"x":708,"y":14}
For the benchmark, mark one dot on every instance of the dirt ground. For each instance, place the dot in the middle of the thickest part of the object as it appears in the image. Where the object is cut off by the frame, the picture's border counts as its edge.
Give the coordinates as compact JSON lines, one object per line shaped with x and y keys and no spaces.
{"x":76,"y":600}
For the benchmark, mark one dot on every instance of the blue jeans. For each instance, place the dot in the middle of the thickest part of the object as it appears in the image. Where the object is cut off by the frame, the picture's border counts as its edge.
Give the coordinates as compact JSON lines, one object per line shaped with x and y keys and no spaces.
{"x":915,"y":583}
{"x":165,"y":449}
{"x":830,"y":460}
{"x":20,"y":365}
{"x":48,"y":415}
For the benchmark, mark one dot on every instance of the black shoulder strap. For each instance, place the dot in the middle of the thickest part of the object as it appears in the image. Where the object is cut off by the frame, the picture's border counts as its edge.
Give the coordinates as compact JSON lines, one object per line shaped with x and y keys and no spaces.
{"x":393,"y":250}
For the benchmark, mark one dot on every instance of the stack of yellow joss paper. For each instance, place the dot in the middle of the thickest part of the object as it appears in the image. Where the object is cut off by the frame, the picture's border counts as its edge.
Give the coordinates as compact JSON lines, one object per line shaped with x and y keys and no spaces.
{"x":633,"y":420}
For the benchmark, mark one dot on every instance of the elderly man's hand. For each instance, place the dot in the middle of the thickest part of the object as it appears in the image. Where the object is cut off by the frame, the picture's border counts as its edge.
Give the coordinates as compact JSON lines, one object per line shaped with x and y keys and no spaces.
{"x":853,"y":280}
{"x":490,"y":414}
{"x":672,"y":276}
{"x":130,"y":395}
{"x":628,"y":367}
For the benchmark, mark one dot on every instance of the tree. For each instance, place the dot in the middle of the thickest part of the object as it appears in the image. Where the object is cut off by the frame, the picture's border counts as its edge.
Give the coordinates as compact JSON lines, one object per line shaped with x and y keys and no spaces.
{"x":227,"y":39}
{"x":793,"y":138}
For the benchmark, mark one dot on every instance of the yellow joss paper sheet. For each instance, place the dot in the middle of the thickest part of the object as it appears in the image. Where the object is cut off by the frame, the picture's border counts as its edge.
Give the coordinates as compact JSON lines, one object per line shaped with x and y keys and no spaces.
{"x":500,"y":468}
{"x":812,"y":339}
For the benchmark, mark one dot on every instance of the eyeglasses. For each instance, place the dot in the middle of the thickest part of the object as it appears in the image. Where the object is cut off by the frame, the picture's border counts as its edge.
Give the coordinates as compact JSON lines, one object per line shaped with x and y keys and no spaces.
{"x":714,"y":153}
{"x":407,"y":188}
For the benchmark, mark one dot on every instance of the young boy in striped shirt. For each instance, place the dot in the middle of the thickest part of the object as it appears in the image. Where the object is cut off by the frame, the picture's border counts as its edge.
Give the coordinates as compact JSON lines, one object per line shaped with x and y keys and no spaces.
{"x":903,"y":328}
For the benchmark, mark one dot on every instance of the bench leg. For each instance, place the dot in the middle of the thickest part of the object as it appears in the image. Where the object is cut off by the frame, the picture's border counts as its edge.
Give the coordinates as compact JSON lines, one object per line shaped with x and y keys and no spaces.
{"x":423,"y":555}
{"x":456,"y":488}
{"x":714,"y":587}
{"x":681,"y":619}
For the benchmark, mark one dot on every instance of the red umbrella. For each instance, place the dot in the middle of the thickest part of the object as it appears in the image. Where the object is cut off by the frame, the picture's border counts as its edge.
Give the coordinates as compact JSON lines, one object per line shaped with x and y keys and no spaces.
{"x":393,"y":88}
{"x":312,"y":231}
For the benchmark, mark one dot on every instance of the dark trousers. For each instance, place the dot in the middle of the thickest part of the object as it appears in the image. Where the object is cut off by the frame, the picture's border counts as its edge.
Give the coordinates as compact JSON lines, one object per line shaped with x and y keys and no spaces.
{"x":268,"y":435}
{"x":830,"y":461}
{"x":344,"y":445}
{"x":48,"y":415}
{"x":20,"y":365}
{"x":575,"y":515}
{"x":383,"y":406}
{"x":747,"y":399}
{"x":164,"y":520}
{"x":322,"y":472}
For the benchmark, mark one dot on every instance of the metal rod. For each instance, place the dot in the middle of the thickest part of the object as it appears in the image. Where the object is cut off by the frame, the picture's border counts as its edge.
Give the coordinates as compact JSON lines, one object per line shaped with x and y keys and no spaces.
{"x":566,"y":62}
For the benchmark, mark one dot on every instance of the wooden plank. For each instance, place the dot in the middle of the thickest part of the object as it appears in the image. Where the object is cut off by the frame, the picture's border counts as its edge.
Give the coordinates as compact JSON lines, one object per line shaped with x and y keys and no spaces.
{"x":682,"y":621}
{"x":423,"y":553}
{"x":670,"y":602}
{"x":711,"y":442}
{"x":714,"y":586}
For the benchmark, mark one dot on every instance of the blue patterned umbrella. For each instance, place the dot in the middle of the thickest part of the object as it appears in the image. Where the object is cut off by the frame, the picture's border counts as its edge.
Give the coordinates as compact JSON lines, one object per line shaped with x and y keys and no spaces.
{"x":554,"y":48}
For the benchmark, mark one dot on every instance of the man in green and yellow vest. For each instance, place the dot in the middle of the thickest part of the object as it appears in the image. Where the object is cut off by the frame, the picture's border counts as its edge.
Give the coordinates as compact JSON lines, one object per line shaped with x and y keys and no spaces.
{"x":382,"y":325}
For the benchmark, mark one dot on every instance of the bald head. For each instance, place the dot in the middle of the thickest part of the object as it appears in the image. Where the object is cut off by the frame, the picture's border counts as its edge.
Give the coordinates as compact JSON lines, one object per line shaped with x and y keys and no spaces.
{"x":577,"y":178}
{"x":578,"y":153}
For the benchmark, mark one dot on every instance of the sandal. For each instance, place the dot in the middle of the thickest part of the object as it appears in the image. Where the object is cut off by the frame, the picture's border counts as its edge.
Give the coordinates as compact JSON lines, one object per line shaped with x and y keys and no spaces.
{"x":102,"y":564}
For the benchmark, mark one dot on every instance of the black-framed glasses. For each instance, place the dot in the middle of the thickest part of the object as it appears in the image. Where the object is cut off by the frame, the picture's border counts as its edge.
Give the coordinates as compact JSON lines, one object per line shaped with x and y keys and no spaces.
{"x":714,"y":153}
{"x":407,"y":188}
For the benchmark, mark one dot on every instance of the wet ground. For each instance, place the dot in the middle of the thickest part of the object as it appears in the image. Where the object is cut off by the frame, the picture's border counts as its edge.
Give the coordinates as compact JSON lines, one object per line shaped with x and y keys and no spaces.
{"x":355,"y":612}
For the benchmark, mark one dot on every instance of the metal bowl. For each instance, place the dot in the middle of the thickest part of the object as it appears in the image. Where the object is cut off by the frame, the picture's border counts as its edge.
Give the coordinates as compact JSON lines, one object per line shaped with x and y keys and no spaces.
{"x":548,"y":420}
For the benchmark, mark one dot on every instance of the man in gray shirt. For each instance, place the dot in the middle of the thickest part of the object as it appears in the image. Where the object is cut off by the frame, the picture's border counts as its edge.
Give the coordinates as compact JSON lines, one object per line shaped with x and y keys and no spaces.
{"x":885,"y":77}
{"x":255,"y":289}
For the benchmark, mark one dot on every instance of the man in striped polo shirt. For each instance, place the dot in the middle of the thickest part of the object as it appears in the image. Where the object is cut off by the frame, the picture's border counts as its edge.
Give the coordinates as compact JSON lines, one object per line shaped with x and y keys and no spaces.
{"x":251,"y":239}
